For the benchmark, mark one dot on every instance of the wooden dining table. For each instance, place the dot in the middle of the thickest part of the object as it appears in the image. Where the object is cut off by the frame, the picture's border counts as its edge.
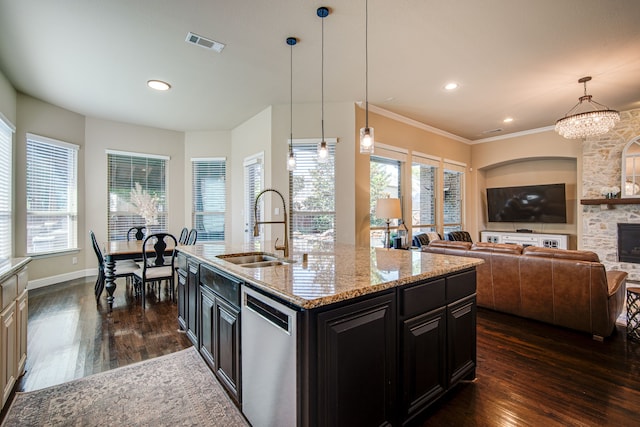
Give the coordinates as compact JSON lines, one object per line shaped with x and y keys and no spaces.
{"x":116,"y":250}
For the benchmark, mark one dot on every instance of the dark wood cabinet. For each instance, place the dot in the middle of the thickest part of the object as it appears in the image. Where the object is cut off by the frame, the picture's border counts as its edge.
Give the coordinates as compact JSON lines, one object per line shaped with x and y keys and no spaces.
{"x":461,"y":345}
{"x":227,"y":345}
{"x":192,"y":302}
{"x":182,"y":299}
{"x":356,"y":363}
{"x":424,"y":361}
{"x":220,"y":326}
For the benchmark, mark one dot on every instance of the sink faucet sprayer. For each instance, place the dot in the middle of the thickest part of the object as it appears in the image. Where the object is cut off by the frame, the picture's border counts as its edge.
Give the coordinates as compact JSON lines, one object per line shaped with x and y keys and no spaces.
{"x":256,"y":230}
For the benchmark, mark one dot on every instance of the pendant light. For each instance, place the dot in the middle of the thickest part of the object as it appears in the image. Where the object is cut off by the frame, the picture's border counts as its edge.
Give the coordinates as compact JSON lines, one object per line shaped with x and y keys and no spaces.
{"x":291,"y":159}
{"x":593,"y":119}
{"x":366,"y":133}
{"x":323,"y":150}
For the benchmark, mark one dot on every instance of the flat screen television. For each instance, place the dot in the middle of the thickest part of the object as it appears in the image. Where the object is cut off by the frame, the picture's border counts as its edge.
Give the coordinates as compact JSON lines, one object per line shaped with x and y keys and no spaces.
{"x":529,"y":203}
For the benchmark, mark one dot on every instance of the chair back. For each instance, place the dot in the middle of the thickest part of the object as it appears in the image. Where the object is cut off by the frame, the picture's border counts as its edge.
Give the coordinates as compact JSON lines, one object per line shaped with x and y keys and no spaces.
{"x":159,"y":257}
{"x":183,"y":236}
{"x":139,"y":232}
{"x":193,"y":236}
{"x":97,"y":250}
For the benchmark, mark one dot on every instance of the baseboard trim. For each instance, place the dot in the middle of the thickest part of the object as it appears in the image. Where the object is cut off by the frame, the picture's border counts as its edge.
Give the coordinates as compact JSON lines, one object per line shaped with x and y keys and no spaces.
{"x":52,"y":280}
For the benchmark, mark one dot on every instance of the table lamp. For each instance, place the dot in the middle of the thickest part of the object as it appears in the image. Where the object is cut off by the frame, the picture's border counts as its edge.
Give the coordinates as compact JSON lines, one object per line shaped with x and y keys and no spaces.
{"x":388,"y":208}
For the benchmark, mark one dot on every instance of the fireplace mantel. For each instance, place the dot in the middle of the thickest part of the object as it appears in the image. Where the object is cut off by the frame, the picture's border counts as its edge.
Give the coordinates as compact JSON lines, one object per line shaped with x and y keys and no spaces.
{"x":621,"y":201}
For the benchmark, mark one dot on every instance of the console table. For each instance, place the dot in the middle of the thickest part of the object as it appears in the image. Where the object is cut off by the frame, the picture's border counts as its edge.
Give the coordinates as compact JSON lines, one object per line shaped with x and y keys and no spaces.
{"x":559,"y":241}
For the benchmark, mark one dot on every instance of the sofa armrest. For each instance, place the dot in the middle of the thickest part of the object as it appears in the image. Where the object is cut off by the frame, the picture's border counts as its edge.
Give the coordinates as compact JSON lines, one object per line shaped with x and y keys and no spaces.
{"x":616,"y":280}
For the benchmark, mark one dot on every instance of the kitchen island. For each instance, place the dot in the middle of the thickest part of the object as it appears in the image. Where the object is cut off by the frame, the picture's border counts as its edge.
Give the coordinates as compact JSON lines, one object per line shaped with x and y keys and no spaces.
{"x":355,"y":336}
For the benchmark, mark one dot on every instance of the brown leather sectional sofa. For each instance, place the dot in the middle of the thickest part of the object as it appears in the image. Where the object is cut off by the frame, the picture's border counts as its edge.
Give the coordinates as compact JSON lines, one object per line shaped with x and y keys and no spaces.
{"x":563,"y":287}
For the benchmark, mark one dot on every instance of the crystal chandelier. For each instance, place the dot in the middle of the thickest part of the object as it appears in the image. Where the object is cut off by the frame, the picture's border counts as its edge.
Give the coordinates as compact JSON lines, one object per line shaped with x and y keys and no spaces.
{"x":581,"y":123}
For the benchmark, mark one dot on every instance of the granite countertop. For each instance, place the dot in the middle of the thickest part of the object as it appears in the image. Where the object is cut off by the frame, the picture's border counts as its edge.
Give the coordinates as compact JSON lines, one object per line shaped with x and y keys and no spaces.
{"x":11,"y":265}
{"x":328,"y":277}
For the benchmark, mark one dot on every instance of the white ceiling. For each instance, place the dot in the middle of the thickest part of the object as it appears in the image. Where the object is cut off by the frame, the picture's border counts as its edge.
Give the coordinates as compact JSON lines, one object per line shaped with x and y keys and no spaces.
{"x":517,"y":58}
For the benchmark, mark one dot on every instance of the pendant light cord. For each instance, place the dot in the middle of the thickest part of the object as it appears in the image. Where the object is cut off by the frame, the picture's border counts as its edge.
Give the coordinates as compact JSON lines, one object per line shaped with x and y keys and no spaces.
{"x":366,"y":62}
{"x":291,"y":105}
{"x":322,"y":78}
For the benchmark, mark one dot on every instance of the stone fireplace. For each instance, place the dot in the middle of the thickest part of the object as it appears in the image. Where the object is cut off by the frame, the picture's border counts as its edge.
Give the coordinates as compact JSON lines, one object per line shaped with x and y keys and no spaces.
{"x":601,"y":166}
{"x":629,"y":243}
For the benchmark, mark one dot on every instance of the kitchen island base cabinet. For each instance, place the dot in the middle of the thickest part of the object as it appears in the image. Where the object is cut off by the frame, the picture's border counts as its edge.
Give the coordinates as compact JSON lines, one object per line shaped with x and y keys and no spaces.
{"x":356,"y":363}
{"x":219,"y":327}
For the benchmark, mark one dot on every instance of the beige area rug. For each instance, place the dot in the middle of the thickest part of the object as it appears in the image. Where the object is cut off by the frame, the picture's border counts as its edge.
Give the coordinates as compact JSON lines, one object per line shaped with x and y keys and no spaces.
{"x":177,"y":389}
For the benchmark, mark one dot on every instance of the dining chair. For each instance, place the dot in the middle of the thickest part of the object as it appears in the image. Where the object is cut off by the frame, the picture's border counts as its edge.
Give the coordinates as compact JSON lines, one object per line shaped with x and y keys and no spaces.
{"x":124,"y":268}
{"x":193,"y":236}
{"x":139,"y":232}
{"x":157,"y":265}
{"x":183,"y":236}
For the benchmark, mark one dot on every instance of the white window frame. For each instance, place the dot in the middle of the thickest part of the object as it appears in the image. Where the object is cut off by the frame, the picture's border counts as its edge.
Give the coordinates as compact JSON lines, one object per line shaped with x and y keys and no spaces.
{"x":216,"y":168}
{"x":59,"y":232}
{"x":303,"y":241}
{"x":7,"y":129}
{"x":253,"y":168}
{"x":457,"y":167}
{"x":425,"y":160}
{"x":119,"y":205}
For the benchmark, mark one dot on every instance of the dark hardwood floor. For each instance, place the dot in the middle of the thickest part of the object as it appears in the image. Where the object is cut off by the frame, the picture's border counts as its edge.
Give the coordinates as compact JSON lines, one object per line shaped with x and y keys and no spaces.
{"x":70,"y":336}
{"x":529,"y":373}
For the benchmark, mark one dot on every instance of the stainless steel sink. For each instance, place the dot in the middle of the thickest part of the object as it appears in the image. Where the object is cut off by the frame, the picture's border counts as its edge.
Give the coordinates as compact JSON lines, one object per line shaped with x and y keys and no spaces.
{"x":254,"y":260}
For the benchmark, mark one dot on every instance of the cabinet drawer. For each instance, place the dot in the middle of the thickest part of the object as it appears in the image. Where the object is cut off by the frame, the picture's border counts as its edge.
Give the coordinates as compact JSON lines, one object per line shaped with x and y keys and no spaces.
{"x":226,"y":286}
{"x":181,"y":262}
{"x":461,"y":285}
{"x":9,"y":291}
{"x":422,"y":297}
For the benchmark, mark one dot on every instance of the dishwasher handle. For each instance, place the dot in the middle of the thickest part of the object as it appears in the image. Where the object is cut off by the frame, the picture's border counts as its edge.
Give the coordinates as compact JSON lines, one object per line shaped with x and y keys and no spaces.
{"x":269,"y":313}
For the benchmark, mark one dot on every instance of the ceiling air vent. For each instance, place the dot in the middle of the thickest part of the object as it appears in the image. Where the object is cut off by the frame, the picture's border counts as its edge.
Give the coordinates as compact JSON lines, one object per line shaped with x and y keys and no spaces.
{"x":204,"y":42}
{"x":492,"y":131}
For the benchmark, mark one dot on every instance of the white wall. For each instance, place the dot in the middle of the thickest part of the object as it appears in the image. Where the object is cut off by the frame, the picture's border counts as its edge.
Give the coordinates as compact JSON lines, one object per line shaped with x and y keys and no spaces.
{"x":104,"y":134}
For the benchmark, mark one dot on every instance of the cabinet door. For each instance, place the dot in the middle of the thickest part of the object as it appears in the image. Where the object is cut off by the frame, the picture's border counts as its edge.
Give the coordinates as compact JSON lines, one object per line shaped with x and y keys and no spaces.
{"x":461,"y":333}
{"x":356,"y":363}
{"x":424,"y":363}
{"x":8,"y":362}
{"x":21,"y":323}
{"x":207,"y":328}
{"x":193,"y":286}
{"x":227,"y":348}
{"x":182,"y":299}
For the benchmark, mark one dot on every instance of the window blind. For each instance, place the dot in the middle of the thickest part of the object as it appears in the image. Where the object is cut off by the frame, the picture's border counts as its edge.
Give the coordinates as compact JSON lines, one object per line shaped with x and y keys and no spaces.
{"x":146,"y":176}
{"x":384,"y":181}
{"x":424,"y":173}
{"x":209,"y":198}
{"x":312,"y":193}
{"x":253,"y":185}
{"x":453,"y":185}
{"x":6,"y":177}
{"x":52,"y":211}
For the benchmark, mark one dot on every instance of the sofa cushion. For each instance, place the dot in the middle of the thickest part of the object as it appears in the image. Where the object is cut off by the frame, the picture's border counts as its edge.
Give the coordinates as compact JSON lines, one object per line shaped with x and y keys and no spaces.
{"x":505,"y":248}
{"x":420,"y":240}
{"x":561,"y":254}
{"x":450,"y":244}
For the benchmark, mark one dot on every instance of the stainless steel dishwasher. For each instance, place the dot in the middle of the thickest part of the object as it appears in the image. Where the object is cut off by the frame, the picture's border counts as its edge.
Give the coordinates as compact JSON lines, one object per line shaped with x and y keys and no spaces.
{"x":268,"y":360}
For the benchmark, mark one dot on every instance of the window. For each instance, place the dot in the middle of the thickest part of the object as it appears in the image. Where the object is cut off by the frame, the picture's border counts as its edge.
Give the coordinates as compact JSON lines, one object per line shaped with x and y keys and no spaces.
{"x":209,"y":198}
{"x":312,"y":198}
{"x":6,"y":178}
{"x":385,"y":180}
{"x":52,"y":211}
{"x":253,"y":185}
{"x":453,"y":186}
{"x":424,"y":172}
{"x":145,"y":175}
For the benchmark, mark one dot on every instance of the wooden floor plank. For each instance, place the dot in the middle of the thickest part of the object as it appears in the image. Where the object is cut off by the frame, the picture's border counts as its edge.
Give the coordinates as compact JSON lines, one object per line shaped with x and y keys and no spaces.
{"x":528,"y":374}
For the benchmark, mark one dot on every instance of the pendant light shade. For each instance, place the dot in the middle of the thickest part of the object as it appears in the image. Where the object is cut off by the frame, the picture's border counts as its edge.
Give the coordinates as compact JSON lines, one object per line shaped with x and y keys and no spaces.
{"x":367,"y":140}
{"x":291,"y":158}
{"x":323,"y":151}
{"x":588,"y":119}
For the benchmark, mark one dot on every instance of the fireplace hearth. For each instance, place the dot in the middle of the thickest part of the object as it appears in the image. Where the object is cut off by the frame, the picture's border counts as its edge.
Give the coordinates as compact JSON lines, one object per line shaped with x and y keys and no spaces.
{"x":629,"y":243}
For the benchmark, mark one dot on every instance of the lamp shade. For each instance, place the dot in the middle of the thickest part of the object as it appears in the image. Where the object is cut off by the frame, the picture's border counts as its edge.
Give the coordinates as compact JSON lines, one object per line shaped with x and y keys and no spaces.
{"x":388,"y":208}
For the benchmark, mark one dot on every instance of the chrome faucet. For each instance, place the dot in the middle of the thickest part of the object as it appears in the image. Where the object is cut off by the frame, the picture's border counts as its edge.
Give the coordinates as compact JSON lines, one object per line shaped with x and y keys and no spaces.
{"x":256,"y":230}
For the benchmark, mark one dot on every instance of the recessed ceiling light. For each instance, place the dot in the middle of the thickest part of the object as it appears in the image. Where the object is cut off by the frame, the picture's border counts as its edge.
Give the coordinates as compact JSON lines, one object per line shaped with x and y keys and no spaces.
{"x":158,"y":85}
{"x":508,"y":120}
{"x":451,"y":86}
